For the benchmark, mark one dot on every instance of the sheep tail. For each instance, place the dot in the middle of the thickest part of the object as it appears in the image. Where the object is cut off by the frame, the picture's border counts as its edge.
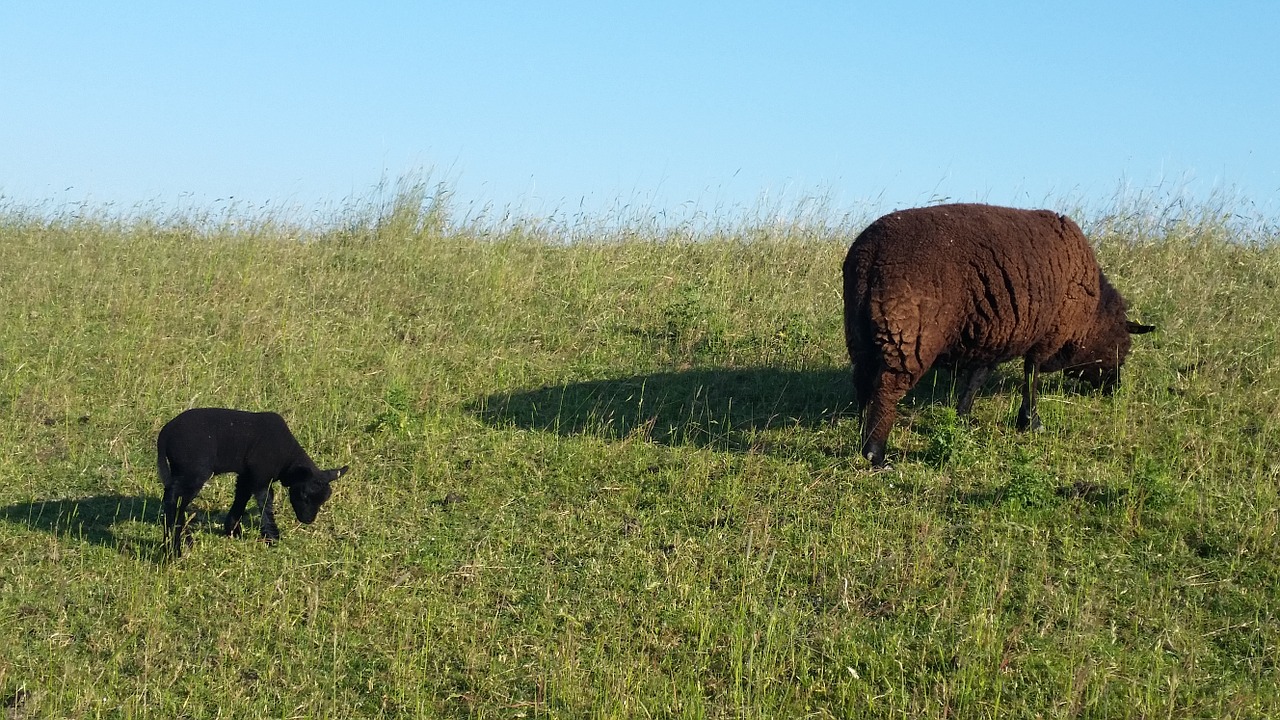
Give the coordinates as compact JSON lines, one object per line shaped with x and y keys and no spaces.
{"x":162,"y":464}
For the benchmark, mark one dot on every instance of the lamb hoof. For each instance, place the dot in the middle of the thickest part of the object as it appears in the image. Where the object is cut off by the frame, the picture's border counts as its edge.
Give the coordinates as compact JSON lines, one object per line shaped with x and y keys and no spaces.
{"x":1030,"y":425}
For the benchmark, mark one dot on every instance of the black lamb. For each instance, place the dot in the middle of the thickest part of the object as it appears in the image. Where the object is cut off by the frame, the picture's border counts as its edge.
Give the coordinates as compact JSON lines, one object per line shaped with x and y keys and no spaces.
{"x":258,"y":447}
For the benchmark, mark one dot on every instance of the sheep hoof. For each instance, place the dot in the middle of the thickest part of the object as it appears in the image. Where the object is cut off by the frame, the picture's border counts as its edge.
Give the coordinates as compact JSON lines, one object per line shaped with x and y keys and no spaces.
{"x":1031,"y":424}
{"x":874,"y":453}
{"x":879,"y":466}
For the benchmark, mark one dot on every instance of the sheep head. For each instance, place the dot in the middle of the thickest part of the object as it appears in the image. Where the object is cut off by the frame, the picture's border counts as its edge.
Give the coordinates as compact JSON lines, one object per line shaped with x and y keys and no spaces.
{"x":1097,"y":358}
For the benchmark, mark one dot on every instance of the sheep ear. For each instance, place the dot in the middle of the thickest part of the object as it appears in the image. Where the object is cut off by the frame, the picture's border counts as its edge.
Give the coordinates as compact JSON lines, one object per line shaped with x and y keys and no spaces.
{"x":336,"y":473}
{"x":1138,"y":328}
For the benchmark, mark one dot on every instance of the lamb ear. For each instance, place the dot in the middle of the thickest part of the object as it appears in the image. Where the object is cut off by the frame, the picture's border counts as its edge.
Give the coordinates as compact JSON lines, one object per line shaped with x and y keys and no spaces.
{"x":1138,"y":328}
{"x":336,"y":473}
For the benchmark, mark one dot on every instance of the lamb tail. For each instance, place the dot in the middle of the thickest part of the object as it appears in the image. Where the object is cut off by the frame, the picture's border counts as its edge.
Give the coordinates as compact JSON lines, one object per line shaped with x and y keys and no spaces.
{"x":162,"y":466}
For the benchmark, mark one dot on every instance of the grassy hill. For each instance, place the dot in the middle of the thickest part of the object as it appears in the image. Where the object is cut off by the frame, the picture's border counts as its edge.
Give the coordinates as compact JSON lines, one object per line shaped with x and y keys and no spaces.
{"x":618,"y":477}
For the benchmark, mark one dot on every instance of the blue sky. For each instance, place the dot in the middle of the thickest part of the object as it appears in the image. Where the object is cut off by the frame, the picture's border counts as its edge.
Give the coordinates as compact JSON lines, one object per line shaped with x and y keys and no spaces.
{"x":554,"y":106}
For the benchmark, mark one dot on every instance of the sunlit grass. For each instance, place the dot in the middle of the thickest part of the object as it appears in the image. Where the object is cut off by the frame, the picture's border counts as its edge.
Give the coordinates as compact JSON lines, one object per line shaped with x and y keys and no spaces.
{"x":617,"y":477}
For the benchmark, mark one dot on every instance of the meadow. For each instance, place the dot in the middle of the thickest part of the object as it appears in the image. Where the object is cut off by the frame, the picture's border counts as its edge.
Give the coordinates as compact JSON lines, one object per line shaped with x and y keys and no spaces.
{"x":615,"y":474}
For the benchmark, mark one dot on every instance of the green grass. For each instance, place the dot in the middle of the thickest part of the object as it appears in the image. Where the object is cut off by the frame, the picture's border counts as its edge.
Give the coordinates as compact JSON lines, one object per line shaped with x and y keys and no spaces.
{"x":618,"y":477}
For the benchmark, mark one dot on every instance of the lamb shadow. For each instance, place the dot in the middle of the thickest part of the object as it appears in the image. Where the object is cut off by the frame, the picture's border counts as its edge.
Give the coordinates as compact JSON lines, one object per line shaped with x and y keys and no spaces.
{"x":705,"y":407}
{"x":110,"y":521}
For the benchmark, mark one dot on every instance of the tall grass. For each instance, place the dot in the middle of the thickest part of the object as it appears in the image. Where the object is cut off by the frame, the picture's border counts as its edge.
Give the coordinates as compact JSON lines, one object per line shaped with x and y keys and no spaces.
{"x":612,"y":472}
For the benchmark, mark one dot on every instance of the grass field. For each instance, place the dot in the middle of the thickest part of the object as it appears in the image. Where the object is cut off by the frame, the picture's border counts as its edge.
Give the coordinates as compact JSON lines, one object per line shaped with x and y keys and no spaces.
{"x":618,"y":477}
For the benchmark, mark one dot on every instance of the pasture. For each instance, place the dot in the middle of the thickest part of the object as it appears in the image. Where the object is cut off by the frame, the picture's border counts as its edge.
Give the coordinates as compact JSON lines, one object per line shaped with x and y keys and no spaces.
{"x":618,"y":477}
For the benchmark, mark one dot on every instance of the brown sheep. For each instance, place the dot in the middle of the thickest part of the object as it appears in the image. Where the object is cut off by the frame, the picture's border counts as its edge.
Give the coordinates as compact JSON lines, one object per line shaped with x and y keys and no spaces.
{"x":971,"y":286}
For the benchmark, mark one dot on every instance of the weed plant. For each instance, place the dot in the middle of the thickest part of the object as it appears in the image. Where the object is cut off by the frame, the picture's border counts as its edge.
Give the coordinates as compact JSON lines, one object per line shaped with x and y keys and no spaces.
{"x":617,"y":477}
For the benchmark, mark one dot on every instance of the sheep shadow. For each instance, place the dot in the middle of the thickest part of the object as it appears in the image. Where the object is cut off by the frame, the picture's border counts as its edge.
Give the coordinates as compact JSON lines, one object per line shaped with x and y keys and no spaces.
{"x":716,"y":407}
{"x":111,"y":521}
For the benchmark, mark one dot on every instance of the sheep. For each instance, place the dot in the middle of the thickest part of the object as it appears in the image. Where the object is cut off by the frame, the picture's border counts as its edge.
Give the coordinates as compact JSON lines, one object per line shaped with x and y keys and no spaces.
{"x":258,"y":447}
{"x":971,"y":286}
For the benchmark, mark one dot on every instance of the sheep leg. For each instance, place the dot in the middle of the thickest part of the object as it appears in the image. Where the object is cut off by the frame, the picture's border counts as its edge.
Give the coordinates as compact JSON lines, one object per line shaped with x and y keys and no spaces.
{"x":972,"y":382}
{"x":238,"y":505}
{"x":270,"y":532}
{"x":171,"y":529}
{"x":1028,"y":417}
{"x":178,"y":494}
{"x":889,"y":388}
{"x":864,"y":376}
